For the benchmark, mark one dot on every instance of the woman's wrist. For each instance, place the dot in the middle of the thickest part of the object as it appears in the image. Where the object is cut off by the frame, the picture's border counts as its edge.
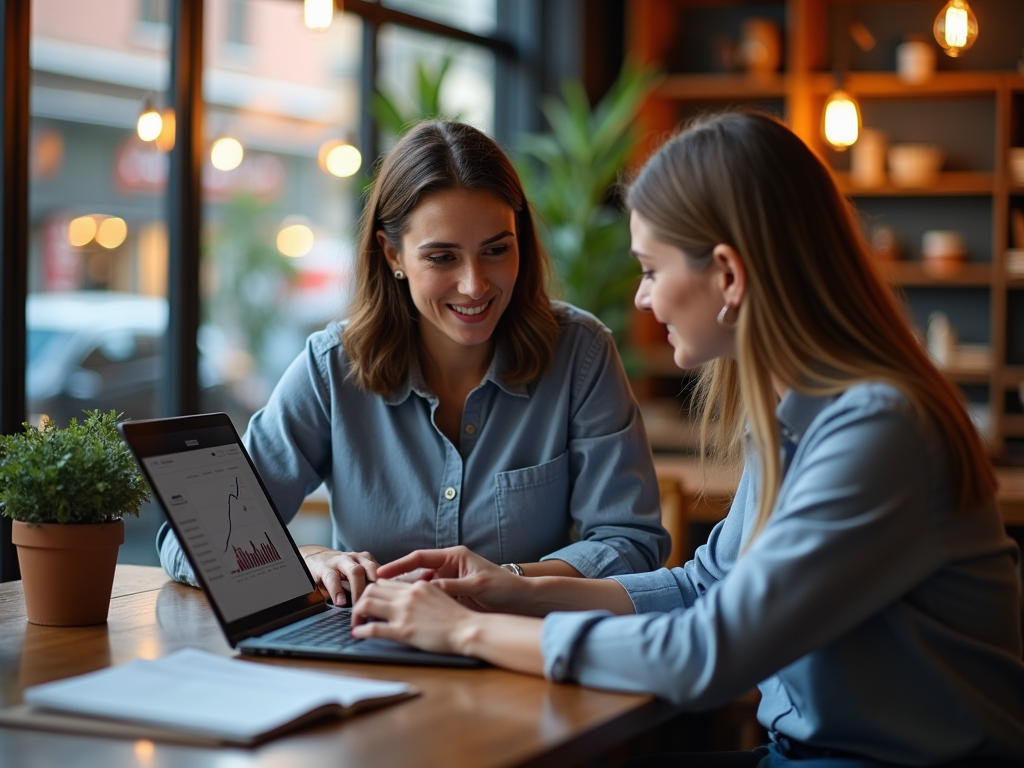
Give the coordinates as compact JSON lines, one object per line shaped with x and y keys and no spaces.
{"x":466,"y":634}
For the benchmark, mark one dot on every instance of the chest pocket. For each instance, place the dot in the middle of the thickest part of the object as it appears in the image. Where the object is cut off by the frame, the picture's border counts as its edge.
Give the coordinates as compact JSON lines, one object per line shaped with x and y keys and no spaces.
{"x":532,"y":505}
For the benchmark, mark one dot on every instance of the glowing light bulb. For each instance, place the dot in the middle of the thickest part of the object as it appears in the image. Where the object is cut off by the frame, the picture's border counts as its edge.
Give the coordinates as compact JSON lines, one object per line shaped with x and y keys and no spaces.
{"x":318,"y":13}
{"x":226,"y":154}
{"x":81,"y":231}
{"x":339,"y":158}
{"x":956,"y":27}
{"x":111,"y":232}
{"x":150,"y":124}
{"x":841,"y":120}
{"x":295,"y":240}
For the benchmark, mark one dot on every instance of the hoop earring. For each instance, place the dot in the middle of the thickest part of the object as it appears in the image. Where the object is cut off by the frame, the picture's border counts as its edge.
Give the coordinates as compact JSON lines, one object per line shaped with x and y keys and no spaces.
{"x":723,"y":315}
{"x":399,"y":274}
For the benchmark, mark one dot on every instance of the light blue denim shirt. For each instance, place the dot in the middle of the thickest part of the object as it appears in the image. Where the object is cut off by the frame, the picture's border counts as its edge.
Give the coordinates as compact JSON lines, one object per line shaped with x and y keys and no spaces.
{"x":875,"y":617}
{"x":533,"y":461}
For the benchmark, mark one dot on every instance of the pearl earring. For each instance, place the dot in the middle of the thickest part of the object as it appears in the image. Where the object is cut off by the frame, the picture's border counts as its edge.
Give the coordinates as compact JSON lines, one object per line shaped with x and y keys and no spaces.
{"x":399,"y":274}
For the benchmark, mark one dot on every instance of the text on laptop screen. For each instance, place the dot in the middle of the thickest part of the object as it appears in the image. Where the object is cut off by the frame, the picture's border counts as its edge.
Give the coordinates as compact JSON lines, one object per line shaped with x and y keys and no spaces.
{"x":228,"y":527}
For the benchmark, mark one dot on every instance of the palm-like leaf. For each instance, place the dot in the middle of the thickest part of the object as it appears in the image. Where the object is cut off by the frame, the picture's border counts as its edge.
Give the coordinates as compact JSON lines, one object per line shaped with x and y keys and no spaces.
{"x":568,"y":175}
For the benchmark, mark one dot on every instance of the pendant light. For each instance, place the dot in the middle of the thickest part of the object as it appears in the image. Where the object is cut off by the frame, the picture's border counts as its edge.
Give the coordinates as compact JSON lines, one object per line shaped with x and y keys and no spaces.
{"x":840,"y":122}
{"x":150,"y":123}
{"x":840,"y":118}
{"x":956,"y":27}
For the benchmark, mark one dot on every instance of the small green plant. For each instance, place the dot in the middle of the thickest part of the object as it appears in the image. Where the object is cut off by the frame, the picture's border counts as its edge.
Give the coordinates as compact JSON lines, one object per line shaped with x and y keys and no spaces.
{"x":83,"y":473}
{"x":395,"y":119}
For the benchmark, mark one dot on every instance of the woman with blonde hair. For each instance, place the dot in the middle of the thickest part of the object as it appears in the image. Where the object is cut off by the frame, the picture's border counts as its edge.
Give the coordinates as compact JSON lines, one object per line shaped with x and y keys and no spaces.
{"x":862,"y":578}
{"x":458,"y":404}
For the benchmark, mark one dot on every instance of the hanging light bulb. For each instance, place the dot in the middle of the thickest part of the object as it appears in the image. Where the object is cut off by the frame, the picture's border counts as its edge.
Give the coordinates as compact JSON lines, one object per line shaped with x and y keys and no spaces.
{"x":150,"y":123}
{"x":956,"y":27}
{"x":318,"y":13}
{"x":226,"y":153}
{"x":840,"y":124}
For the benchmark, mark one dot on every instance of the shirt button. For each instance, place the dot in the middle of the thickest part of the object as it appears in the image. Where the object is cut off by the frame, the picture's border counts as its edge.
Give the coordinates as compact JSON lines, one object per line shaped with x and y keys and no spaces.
{"x":449,"y":493}
{"x":470,"y":429}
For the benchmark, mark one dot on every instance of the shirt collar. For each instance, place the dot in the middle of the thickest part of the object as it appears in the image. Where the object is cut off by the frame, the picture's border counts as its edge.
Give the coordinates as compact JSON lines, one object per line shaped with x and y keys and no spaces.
{"x":796,"y":412}
{"x":415,"y":382}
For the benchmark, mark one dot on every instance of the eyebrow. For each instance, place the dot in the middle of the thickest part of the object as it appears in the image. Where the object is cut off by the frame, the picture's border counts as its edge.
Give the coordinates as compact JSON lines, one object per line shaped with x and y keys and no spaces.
{"x":438,"y":244}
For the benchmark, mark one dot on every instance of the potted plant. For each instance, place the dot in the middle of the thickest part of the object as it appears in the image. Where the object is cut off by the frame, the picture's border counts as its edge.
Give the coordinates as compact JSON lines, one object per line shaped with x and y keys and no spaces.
{"x":67,"y":491}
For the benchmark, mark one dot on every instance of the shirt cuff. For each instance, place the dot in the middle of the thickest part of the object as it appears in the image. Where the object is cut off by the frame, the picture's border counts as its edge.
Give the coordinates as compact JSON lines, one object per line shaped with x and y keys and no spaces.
{"x":654,"y":592}
{"x":593,"y":559}
{"x":560,"y":636}
{"x":172,"y":557}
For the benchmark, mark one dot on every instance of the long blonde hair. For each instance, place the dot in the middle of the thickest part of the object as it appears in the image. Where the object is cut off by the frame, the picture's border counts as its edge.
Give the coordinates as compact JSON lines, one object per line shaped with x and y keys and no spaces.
{"x":816,"y":313}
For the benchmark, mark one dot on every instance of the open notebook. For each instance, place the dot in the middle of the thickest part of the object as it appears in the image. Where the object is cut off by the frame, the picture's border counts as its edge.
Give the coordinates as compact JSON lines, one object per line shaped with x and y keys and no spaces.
{"x":195,"y":697}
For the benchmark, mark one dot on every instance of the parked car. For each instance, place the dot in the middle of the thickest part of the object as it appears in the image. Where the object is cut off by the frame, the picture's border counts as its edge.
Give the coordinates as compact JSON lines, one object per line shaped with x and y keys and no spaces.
{"x":98,"y":349}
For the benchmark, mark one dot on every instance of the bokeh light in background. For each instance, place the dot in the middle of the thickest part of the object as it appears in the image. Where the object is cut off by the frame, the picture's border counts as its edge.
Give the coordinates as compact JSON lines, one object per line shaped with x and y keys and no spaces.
{"x":295,"y":240}
{"x":81,"y":231}
{"x":226,"y":153}
{"x":111,"y":232}
{"x":318,"y":13}
{"x":339,"y":158}
{"x":150,"y":124}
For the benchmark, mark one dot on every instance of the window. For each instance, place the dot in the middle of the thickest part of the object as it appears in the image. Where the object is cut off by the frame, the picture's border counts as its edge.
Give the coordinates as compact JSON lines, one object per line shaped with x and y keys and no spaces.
{"x":276,"y":227}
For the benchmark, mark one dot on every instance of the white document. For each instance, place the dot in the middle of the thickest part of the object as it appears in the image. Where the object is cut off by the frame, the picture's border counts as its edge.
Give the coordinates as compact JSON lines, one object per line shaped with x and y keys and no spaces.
{"x":202,"y":693}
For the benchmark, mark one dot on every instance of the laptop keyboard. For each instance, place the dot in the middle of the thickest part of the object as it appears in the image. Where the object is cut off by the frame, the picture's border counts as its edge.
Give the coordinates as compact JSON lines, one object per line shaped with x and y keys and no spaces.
{"x":334,"y":629}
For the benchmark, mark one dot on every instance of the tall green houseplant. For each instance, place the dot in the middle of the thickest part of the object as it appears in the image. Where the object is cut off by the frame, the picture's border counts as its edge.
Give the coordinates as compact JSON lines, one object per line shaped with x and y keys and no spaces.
{"x":570,"y":175}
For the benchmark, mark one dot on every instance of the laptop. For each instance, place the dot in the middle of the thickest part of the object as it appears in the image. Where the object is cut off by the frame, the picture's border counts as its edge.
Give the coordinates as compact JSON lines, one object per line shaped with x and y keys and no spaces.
{"x":243,"y":555}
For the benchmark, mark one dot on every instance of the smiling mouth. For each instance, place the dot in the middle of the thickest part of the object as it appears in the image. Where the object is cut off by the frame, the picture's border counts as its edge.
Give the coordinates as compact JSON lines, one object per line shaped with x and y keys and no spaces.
{"x":470,"y":311}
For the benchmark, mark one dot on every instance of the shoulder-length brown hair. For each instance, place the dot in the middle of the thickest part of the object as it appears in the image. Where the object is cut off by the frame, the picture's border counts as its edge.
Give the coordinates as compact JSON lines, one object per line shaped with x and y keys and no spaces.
{"x":816,"y":312}
{"x":381,"y":336}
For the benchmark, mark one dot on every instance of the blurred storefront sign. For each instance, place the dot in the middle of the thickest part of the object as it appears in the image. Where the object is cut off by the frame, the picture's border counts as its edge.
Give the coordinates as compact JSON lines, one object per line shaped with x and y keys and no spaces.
{"x":139,"y":167}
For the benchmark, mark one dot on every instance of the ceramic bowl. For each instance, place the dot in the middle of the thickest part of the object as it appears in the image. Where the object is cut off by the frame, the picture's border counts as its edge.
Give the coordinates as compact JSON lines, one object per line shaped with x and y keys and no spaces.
{"x":915,"y":165}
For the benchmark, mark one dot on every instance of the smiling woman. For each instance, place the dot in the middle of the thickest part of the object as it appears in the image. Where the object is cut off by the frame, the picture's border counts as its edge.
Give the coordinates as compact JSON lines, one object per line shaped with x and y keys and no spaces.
{"x":458,"y":404}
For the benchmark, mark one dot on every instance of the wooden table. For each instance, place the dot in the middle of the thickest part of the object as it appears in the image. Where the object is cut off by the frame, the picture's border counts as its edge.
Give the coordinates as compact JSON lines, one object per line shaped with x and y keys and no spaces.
{"x":483,"y":717}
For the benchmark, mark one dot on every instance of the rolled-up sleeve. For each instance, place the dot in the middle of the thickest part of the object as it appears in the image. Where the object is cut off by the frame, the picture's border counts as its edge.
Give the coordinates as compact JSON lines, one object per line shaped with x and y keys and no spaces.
{"x":614,"y":500}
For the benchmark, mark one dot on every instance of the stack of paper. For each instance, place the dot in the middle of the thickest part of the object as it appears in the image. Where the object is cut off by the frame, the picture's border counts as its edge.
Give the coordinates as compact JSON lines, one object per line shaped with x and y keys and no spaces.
{"x":197,"y":697}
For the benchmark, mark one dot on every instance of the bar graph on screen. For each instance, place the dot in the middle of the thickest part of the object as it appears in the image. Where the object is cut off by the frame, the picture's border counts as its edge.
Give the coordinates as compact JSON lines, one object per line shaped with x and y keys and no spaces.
{"x":257,"y":556}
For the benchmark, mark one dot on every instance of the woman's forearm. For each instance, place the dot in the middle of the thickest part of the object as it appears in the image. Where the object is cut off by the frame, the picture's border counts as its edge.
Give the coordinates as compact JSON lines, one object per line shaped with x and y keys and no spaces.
{"x":512,"y":642}
{"x":541,"y":595}
{"x":550,"y":568}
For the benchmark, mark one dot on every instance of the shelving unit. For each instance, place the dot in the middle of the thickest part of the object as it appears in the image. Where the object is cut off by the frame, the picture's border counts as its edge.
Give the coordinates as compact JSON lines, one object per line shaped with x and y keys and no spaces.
{"x":981,"y":115}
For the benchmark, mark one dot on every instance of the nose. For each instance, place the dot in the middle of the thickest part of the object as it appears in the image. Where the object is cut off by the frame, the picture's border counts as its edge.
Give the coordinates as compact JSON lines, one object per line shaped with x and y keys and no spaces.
{"x":642,"y":300}
{"x":473,"y":280}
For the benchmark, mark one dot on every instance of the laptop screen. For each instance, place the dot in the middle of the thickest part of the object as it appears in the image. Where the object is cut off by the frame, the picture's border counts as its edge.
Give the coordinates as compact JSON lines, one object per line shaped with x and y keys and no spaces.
{"x":228,"y":527}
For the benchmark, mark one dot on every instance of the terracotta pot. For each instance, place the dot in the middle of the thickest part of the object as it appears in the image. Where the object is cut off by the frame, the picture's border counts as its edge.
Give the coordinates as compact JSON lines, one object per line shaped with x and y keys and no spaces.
{"x":67,"y":571}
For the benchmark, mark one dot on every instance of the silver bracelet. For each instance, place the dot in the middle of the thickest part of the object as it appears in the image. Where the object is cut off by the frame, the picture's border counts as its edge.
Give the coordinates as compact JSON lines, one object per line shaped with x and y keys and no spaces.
{"x":513,"y":568}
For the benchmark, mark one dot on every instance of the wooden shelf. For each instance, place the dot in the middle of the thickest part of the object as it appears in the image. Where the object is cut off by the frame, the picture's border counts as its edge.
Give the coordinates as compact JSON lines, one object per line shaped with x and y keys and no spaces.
{"x":949,"y":183}
{"x":654,"y":31}
{"x":920,"y":273}
{"x":724,"y":87}
{"x":887,"y":84}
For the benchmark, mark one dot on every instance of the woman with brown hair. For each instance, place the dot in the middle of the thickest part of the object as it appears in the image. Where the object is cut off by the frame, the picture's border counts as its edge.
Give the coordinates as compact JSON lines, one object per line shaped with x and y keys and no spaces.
{"x":458,"y":404}
{"x":862,"y":578}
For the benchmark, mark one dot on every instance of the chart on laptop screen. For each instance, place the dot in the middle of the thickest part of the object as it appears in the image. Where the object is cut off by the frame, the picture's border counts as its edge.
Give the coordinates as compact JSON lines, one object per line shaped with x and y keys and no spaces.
{"x":227,"y":526}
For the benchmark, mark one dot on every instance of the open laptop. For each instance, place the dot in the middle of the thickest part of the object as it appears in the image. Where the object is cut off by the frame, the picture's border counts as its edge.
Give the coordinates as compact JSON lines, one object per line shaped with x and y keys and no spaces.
{"x":242,"y":553}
